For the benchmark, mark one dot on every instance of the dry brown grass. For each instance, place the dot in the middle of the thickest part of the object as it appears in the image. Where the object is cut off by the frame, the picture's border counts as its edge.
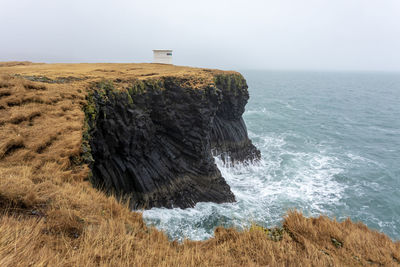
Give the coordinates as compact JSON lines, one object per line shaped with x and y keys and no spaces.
{"x":51,"y":216}
{"x":121,"y":73}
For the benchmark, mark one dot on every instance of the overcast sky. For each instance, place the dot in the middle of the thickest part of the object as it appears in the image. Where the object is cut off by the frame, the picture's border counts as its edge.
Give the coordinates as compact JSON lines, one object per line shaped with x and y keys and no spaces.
{"x":269,"y":34}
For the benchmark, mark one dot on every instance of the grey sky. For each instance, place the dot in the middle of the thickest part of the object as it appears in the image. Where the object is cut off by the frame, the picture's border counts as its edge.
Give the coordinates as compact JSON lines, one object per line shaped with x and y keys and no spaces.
{"x":270,"y":34}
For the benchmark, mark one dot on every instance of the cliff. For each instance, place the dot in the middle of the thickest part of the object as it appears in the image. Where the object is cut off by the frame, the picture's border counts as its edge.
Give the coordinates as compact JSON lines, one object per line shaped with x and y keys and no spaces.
{"x":51,"y":215}
{"x":152,"y":141}
{"x":151,"y":130}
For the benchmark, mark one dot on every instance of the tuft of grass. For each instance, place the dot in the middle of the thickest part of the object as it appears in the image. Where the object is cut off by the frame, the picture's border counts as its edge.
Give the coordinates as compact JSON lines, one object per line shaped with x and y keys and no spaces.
{"x":8,"y":145}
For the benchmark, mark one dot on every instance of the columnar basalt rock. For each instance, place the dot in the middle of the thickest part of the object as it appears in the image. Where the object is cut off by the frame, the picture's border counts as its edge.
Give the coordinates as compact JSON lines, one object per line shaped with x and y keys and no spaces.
{"x":229,"y":133}
{"x":153,"y":141}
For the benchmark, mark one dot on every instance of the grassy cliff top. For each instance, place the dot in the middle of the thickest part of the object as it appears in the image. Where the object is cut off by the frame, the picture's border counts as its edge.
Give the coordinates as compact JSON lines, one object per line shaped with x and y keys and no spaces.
{"x":50,"y":215}
{"x":109,"y":71}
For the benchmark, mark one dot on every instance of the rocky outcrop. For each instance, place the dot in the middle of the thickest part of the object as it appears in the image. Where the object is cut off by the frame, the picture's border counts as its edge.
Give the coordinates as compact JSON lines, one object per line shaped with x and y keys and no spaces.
{"x":153,"y":141}
{"x":229,"y":134}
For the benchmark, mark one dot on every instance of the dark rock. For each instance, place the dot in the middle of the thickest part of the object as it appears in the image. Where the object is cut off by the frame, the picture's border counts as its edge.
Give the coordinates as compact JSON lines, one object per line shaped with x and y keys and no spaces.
{"x":229,"y":133}
{"x":154,"y":142}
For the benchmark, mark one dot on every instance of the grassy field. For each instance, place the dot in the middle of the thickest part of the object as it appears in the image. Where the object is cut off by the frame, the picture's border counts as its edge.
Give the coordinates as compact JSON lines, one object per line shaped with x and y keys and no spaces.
{"x":50,"y":215}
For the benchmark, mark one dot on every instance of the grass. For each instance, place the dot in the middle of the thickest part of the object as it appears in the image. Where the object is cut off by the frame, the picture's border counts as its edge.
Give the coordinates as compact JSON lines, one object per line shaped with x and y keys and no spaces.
{"x":50,"y":215}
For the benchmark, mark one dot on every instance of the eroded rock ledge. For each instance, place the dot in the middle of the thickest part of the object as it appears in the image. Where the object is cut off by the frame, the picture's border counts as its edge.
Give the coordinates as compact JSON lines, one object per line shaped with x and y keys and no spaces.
{"x":153,"y":140}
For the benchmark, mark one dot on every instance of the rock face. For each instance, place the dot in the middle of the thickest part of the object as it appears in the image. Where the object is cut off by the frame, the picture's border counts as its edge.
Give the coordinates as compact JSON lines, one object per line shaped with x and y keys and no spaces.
{"x":229,"y":133}
{"x":153,"y":142}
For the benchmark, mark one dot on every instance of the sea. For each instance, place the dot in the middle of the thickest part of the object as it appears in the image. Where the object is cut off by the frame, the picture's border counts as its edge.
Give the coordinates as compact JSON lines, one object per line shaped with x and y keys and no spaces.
{"x":330,"y":145}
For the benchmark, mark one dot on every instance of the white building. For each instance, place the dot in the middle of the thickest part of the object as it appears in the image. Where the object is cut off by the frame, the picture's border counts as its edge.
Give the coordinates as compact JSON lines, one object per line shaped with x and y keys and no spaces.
{"x":163,"y":56}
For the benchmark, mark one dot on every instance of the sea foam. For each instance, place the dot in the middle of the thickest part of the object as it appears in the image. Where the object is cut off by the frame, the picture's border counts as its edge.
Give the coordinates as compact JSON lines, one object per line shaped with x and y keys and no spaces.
{"x":264,"y":191}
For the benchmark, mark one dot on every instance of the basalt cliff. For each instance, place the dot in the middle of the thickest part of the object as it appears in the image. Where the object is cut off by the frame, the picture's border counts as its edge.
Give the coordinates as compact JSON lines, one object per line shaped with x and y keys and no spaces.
{"x":154,"y":140}
{"x":143,"y":132}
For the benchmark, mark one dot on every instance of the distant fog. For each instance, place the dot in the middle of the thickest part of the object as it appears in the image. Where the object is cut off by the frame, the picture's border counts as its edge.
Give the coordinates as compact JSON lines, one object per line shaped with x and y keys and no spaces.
{"x":268,"y":34}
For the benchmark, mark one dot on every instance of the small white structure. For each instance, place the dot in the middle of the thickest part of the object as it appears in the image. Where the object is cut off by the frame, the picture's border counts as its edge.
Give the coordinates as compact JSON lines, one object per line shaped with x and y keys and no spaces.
{"x":163,"y":56}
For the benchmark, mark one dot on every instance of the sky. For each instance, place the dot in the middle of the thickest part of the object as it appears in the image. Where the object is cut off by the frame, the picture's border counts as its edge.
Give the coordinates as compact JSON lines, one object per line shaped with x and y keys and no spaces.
{"x":339,"y":35}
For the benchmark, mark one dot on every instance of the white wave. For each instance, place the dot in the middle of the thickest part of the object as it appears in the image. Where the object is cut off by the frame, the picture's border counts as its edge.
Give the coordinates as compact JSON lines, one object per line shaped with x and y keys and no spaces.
{"x":360,"y":159}
{"x":281,"y":180}
{"x":262,"y":111}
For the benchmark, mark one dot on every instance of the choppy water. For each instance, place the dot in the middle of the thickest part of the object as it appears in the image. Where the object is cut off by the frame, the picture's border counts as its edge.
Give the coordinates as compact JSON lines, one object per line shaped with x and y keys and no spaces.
{"x":330,"y":144}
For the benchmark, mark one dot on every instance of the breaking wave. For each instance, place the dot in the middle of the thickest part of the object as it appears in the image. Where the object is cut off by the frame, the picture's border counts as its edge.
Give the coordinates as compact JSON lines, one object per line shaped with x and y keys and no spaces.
{"x":281,"y":180}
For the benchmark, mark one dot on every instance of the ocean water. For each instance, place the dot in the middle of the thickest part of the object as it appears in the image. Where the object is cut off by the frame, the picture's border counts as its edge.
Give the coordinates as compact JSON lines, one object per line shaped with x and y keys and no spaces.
{"x":330,"y":144}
